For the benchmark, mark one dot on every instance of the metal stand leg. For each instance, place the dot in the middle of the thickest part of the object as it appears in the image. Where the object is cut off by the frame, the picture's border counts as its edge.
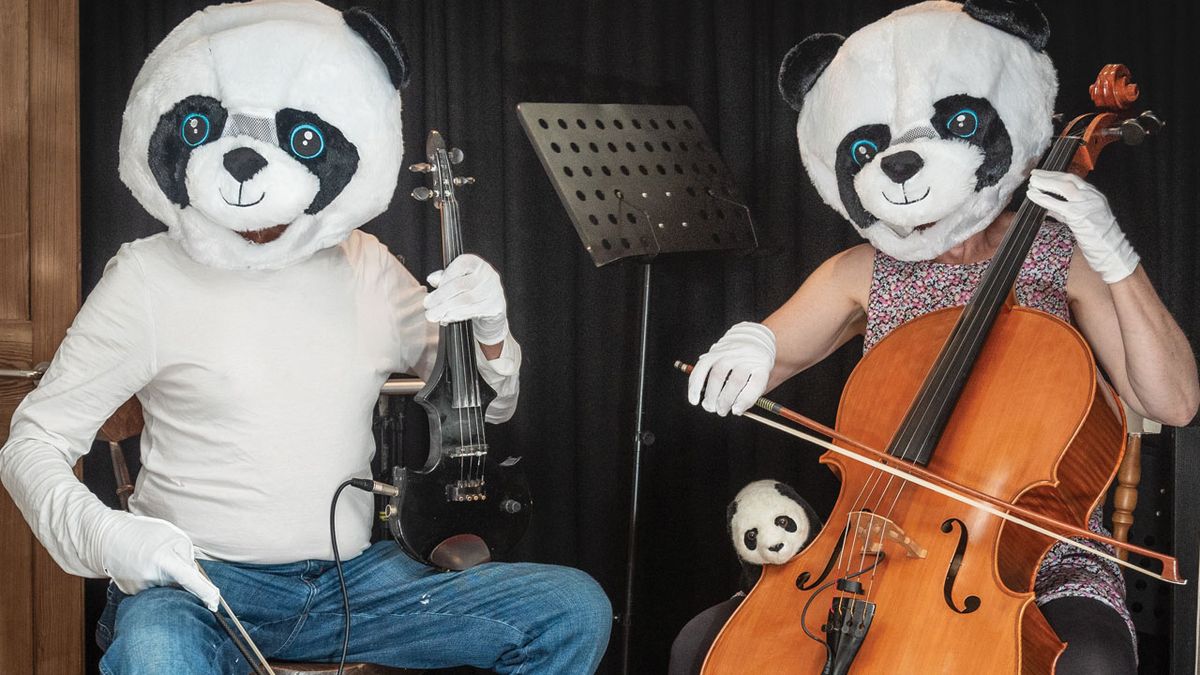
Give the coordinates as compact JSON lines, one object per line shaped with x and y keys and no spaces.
{"x":640,"y":438}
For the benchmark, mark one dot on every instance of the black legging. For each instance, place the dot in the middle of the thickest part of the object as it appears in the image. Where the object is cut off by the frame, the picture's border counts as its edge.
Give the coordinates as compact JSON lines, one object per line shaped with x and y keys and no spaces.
{"x":1098,"y":639}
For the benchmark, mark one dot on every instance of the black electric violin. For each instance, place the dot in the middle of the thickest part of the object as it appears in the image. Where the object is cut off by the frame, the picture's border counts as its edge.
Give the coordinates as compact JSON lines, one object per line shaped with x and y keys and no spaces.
{"x":462,"y":508}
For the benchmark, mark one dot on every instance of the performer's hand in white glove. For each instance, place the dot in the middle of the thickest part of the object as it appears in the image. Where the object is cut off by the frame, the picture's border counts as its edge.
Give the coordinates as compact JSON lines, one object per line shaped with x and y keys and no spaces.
{"x":1080,"y":206}
{"x":469,"y":288}
{"x":737,"y":369}
{"x":141,"y":552}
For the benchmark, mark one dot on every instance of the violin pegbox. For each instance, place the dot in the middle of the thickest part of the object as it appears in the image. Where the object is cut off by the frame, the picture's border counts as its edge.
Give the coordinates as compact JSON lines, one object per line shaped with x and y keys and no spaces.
{"x":439,"y":160}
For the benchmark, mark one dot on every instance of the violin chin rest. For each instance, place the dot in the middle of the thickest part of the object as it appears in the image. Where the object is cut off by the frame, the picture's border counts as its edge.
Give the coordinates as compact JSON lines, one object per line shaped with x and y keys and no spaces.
{"x":460,"y":552}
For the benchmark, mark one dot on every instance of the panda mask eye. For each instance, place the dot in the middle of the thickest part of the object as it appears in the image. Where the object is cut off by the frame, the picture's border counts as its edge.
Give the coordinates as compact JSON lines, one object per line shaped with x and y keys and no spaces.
{"x":963,"y":123}
{"x":863,"y":151}
{"x":750,"y":538}
{"x":195,"y":129}
{"x":785,"y":523}
{"x":306,"y":141}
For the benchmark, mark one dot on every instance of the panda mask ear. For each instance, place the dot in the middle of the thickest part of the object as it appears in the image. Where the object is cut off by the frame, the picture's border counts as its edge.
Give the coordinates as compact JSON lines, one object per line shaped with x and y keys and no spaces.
{"x":380,"y":39}
{"x":1022,"y":18}
{"x":804,"y":64}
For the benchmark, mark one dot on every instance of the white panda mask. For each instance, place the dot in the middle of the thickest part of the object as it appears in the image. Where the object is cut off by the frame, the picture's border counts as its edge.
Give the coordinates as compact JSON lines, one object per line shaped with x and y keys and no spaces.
{"x":919,"y":127}
{"x":261,"y":133}
{"x":769,"y":523}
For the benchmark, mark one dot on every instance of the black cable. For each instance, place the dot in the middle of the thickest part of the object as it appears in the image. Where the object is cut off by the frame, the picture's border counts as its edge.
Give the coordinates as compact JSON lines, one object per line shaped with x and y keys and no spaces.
{"x":337,"y":559}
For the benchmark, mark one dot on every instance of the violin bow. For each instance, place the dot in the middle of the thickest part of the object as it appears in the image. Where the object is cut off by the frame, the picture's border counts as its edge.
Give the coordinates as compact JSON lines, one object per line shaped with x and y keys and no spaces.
{"x":960,"y":493}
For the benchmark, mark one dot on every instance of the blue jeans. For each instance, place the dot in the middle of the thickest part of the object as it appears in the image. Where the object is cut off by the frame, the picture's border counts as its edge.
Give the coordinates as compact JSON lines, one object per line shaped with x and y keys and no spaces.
{"x":508,"y":617}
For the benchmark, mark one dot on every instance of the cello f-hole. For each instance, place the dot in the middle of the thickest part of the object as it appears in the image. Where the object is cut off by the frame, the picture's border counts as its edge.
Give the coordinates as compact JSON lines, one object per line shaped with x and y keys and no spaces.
{"x":971,"y":602}
{"x":802,"y":579}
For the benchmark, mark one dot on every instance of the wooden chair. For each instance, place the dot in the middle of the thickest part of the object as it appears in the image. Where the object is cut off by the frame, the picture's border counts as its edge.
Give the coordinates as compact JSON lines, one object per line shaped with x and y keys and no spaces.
{"x":126,"y":423}
{"x":1129,"y":476}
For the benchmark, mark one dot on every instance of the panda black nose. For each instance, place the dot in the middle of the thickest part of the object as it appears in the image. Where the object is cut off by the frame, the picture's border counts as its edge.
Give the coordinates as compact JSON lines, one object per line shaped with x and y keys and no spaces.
{"x":243,"y":163}
{"x":902,"y":165}
{"x":776,"y":548}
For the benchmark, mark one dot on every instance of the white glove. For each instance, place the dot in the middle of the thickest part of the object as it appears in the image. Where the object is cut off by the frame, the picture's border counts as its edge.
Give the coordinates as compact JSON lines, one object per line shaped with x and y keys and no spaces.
{"x":737,"y":368}
{"x":140,"y":552}
{"x":1081,"y":207}
{"x":469,"y":288}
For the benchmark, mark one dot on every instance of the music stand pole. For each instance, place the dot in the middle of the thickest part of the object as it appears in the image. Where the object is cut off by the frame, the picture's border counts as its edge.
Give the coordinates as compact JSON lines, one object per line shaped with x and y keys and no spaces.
{"x":640,"y":438}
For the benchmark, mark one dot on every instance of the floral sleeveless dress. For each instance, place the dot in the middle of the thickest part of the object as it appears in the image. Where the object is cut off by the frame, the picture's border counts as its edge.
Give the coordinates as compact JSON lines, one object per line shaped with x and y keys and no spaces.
{"x":902,"y":291}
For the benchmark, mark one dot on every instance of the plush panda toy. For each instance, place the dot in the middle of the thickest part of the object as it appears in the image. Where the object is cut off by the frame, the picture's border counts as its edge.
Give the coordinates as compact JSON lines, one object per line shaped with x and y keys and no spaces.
{"x":250,"y":106}
{"x":769,"y":524}
{"x":918,"y":128}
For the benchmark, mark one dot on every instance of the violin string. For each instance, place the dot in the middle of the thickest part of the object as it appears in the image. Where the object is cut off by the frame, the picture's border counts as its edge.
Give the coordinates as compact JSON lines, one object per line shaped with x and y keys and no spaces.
{"x":468,"y":398}
{"x":973,"y":327}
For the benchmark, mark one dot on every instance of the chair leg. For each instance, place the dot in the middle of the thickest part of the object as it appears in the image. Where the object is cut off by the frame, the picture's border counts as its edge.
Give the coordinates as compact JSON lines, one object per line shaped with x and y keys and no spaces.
{"x":1126,"y":497}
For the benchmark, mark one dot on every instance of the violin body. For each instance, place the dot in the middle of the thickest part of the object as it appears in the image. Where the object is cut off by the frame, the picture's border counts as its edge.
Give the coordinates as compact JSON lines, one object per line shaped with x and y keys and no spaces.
{"x":1033,"y":426}
{"x":461,"y":508}
{"x":426,"y":515}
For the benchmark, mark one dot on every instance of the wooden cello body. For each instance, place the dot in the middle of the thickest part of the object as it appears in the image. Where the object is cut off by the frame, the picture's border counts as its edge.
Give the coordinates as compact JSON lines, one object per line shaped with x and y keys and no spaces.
{"x":997,"y":400}
{"x":1035,"y":405}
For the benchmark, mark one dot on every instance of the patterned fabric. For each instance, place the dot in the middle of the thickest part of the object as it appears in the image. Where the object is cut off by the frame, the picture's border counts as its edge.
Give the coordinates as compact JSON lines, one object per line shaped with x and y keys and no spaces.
{"x":902,"y":291}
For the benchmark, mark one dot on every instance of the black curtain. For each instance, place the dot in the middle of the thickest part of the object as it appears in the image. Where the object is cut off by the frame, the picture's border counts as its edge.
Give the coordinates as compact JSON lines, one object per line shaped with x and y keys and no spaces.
{"x":474,"y":61}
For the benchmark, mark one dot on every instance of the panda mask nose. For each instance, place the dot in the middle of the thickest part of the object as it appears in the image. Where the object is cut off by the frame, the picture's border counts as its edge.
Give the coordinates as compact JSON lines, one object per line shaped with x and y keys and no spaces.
{"x":902,"y":165}
{"x":243,"y":163}
{"x":776,"y":548}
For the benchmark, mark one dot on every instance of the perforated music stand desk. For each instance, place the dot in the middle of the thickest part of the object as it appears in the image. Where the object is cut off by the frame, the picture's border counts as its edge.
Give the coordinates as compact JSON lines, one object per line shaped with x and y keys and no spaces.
{"x":638,"y":181}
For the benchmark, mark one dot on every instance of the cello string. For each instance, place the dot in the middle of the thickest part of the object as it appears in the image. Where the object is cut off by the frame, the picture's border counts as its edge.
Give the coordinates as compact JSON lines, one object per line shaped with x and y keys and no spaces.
{"x":973,"y":328}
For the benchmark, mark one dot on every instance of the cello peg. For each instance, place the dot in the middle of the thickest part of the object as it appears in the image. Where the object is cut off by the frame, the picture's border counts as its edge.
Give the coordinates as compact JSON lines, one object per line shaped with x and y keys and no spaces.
{"x":423,"y":167}
{"x":422,"y":194}
{"x":456,"y":155}
{"x":463,"y":180}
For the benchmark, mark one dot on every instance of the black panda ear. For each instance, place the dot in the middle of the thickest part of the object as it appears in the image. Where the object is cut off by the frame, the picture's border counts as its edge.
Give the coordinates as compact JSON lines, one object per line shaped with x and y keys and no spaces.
{"x":1022,"y":18}
{"x":380,"y":39}
{"x":804,"y":64}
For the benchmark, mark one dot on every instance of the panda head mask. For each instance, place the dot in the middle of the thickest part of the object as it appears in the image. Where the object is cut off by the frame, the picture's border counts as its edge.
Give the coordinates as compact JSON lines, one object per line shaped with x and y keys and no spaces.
{"x":261,"y":133}
{"x":919,"y":127}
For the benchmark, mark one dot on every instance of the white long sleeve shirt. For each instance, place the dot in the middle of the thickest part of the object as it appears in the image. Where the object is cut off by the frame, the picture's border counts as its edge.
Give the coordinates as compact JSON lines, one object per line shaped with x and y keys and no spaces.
{"x":257,"y":388}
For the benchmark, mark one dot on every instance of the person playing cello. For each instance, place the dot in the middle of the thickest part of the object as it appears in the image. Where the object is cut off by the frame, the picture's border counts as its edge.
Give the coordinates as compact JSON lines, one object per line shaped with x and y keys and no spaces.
{"x":918,"y":129}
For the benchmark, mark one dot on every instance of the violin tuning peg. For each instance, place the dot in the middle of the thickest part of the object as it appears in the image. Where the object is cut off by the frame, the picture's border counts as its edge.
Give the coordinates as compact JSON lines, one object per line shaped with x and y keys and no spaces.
{"x":464,"y":180}
{"x":456,"y":155}
{"x":423,"y":167}
{"x":422,"y":193}
{"x":1150,"y":121}
{"x":1132,"y":132}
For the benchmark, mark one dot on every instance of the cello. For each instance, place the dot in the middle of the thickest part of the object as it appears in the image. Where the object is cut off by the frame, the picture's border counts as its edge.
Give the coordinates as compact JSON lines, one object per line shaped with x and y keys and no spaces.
{"x":985,"y":411}
{"x":461,"y":508}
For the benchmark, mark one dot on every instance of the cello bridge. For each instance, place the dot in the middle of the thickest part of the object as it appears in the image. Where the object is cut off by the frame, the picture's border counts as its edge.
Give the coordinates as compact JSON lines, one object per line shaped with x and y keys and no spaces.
{"x":876,"y":529}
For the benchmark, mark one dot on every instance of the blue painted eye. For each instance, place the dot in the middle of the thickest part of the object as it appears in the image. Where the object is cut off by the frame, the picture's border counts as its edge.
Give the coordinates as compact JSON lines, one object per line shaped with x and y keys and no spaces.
{"x":194,"y":129}
{"x":963,"y":123}
{"x":863,"y":151}
{"x":307,"y":141}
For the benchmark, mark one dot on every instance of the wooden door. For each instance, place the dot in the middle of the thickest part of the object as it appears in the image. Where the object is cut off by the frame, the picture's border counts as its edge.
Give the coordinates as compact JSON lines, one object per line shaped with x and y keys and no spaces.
{"x":41,"y":608}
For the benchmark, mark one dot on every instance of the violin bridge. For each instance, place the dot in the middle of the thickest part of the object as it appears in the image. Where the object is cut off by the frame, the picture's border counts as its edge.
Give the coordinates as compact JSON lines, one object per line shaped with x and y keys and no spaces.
{"x":468,"y":451}
{"x":876,"y":529}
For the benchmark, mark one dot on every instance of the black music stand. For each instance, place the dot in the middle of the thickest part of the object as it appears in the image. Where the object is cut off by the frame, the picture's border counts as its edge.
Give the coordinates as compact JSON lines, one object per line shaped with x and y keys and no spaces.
{"x":638,"y":181}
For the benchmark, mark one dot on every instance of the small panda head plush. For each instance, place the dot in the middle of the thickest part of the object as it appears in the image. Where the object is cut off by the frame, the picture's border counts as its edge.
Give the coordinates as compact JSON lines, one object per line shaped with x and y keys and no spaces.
{"x":769,"y":523}
{"x":919,"y":127}
{"x":262,"y":132}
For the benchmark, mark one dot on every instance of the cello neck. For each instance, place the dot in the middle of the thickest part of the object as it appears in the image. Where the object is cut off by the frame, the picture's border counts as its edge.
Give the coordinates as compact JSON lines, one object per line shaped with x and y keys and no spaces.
{"x":925,"y":421}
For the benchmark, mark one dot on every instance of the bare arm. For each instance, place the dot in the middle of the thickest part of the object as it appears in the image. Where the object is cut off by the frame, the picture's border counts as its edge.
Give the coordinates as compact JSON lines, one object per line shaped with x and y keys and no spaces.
{"x":1138,"y":343}
{"x":826,"y":311}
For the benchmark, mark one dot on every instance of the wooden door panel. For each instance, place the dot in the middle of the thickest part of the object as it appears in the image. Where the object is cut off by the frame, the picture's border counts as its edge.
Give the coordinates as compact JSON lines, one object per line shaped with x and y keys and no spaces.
{"x":41,"y":608}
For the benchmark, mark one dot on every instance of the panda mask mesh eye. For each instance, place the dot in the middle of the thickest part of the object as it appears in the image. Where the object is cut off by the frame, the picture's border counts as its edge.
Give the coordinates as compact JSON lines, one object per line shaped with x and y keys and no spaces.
{"x":189,"y":125}
{"x":321,"y":148}
{"x":973,"y":120}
